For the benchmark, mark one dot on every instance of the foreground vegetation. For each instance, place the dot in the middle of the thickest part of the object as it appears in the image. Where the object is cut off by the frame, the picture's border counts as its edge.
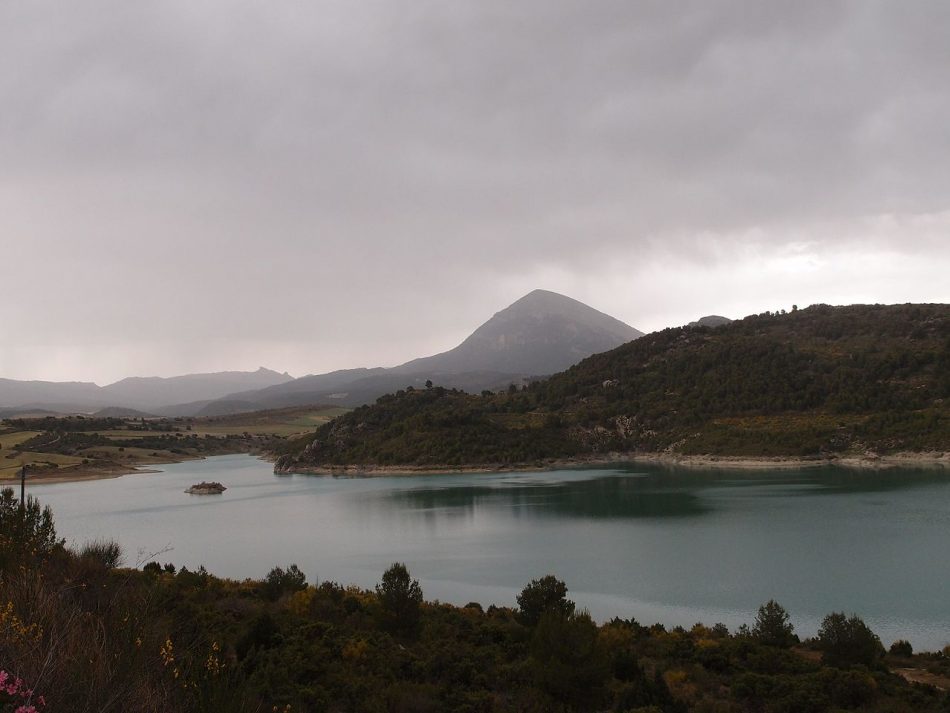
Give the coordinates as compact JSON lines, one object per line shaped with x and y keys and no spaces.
{"x":815,"y":383}
{"x":80,"y":633}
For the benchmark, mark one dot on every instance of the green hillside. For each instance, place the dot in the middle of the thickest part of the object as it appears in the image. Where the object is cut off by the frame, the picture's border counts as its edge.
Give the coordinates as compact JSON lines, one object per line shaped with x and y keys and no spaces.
{"x":820,"y":382}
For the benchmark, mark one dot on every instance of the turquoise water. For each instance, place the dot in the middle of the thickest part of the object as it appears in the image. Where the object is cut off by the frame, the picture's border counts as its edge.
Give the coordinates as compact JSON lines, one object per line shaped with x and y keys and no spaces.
{"x":658,"y":544}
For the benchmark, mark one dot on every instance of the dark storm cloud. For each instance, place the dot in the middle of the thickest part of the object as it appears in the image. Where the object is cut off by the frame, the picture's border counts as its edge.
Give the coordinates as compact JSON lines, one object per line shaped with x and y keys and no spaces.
{"x":335,"y":183}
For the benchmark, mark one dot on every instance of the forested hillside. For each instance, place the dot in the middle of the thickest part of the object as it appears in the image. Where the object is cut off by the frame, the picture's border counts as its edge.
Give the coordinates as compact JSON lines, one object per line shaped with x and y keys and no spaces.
{"x":819,"y":382}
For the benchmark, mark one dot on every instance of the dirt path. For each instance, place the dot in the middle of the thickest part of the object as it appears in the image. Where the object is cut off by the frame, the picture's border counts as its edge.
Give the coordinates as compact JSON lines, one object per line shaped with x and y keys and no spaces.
{"x":919,"y":675}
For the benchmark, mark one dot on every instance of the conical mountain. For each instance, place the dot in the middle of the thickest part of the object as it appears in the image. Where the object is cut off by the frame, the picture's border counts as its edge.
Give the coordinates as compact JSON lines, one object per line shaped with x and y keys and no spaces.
{"x":542,"y":333}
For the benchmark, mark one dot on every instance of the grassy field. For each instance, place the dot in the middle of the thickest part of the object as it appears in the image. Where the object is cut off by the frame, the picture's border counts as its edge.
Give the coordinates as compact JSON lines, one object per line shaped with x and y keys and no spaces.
{"x":120,"y":434}
{"x":11,"y":440}
{"x":128,"y":454}
{"x":10,"y":467}
{"x":171,"y":440}
{"x":278,"y":422}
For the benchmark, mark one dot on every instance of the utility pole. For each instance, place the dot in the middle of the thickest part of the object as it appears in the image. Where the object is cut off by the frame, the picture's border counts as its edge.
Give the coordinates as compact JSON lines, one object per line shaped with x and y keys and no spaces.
{"x":22,"y":537}
{"x":23,"y":495}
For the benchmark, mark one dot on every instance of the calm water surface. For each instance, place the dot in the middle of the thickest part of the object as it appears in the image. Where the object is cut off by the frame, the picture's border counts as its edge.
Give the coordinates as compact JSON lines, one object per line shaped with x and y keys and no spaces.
{"x":658,"y":544}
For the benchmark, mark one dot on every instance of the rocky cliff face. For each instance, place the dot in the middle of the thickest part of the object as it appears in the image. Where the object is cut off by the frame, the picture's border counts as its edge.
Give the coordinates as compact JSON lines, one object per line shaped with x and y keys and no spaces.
{"x":712,"y":320}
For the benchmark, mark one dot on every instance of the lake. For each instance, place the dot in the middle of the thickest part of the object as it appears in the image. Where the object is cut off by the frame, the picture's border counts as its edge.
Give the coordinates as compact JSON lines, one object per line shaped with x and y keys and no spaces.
{"x":659,"y":544}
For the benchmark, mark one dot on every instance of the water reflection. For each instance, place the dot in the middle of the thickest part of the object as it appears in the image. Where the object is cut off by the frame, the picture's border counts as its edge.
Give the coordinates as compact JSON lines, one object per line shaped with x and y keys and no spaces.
{"x":615,"y":496}
{"x":655,"y":492}
{"x":808,"y":481}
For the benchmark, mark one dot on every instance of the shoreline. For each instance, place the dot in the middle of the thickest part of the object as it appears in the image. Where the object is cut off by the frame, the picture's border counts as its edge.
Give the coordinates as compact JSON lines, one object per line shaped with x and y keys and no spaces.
{"x":74,"y":476}
{"x":868,"y":462}
{"x":705,"y":462}
{"x":79,"y":475}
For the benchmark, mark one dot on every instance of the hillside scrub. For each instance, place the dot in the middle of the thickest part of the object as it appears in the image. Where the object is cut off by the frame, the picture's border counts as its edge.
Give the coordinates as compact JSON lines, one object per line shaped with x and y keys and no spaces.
{"x":814,"y":383}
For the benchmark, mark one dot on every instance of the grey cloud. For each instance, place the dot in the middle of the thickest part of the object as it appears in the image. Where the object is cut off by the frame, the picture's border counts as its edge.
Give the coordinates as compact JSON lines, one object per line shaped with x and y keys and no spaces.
{"x":331,"y":167}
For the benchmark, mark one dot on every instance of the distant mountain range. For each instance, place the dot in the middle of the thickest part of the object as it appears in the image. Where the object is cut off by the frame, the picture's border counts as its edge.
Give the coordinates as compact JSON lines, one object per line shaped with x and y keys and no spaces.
{"x":540,"y":334}
{"x":145,"y":394}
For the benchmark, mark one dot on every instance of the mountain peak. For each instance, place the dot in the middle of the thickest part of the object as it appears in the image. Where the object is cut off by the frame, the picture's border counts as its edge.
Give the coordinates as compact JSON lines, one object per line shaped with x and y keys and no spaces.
{"x":264,"y":371}
{"x":541,"y":294}
{"x":548,"y":302}
{"x":541,"y":333}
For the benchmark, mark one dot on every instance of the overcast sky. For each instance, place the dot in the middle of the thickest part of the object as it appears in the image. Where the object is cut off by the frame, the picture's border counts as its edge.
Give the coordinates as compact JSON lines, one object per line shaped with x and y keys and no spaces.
{"x":308,"y":185}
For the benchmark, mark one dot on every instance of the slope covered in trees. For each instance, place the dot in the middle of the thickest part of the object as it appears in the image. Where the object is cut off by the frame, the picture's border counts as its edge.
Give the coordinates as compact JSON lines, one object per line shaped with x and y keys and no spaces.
{"x":820,"y":382}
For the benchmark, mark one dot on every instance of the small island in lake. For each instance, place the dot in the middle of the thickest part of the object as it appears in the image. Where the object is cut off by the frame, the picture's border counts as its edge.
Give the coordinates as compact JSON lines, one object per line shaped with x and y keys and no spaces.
{"x":204,"y":488}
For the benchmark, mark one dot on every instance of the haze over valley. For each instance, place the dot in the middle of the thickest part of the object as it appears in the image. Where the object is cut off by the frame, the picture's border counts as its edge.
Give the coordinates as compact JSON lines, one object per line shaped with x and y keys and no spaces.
{"x":541,"y":333}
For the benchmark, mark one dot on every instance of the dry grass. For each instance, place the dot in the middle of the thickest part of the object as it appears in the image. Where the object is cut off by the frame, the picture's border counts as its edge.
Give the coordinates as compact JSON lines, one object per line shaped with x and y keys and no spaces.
{"x":11,"y":440}
{"x":919,"y":675}
{"x":71,"y":652}
{"x":10,"y":467}
{"x":123,"y":435}
{"x":134,"y":455}
{"x":280,"y":422}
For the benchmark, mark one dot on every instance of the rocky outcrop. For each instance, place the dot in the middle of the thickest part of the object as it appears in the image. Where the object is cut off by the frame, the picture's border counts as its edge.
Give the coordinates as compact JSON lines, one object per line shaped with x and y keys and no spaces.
{"x":204,"y":488}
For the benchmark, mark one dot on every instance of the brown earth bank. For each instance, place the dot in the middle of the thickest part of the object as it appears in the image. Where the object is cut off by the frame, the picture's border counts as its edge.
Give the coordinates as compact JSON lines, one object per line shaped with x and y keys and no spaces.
{"x":867,"y":461}
{"x":922,"y":676}
{"x":863,"y":462}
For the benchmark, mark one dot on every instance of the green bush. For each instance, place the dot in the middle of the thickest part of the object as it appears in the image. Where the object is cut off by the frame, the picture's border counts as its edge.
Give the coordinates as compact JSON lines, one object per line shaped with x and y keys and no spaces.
{"x":902,"y":648}
{"x":400,"y":598}
{"x":27,"y":532}
{"x":548,"y":594}
{"x":772,"y":626}
{"x":280,"y":581}
{"x":107,"y":553}
{"x":847,"y":641}
{"x":567,"y":660}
